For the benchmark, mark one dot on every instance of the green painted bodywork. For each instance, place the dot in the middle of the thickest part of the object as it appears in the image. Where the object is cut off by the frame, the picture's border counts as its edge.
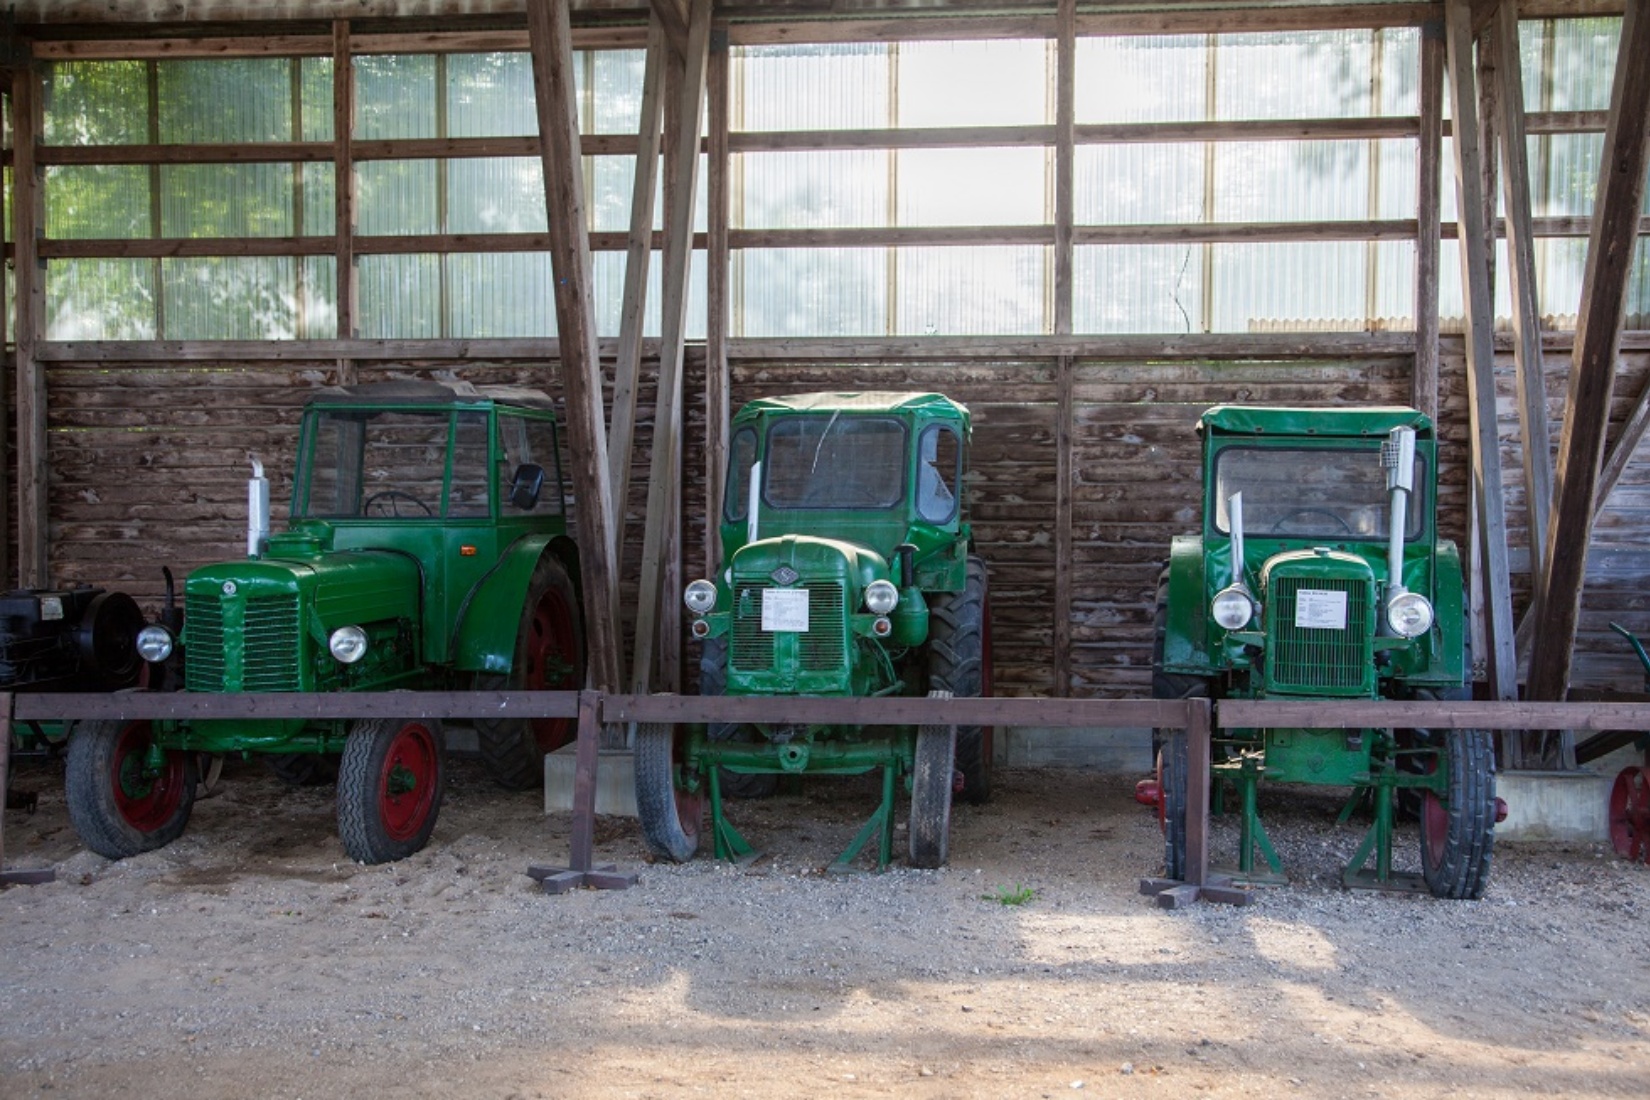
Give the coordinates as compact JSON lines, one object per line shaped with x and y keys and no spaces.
{"x":438,"y":592}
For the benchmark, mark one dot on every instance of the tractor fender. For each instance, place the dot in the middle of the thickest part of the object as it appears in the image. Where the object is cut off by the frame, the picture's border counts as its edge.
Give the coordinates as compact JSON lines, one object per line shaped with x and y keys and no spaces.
{"x":1448,"y":606}
{"x":1186,"y":634}
{"x":484,"y":639}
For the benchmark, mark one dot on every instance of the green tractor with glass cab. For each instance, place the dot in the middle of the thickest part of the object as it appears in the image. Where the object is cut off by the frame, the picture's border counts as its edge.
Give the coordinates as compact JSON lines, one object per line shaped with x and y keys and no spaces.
{"x":846,"y":571}
{"x":1319,"y":574}
{"x":427,"y":548}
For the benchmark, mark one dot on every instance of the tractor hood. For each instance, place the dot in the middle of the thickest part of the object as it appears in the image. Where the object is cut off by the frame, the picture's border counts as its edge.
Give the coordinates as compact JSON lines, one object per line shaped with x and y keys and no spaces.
{"x":811,"y":559}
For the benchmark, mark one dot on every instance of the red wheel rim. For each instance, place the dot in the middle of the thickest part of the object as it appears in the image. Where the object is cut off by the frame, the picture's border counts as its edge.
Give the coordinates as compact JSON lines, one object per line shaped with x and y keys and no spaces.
{"x":406,"y":785}
{"x":146,"y":801}
{"x":1434,"y":829}
{"x":690,"y":805}
{"x":1630,"y":814}
{"x":552,"y":663}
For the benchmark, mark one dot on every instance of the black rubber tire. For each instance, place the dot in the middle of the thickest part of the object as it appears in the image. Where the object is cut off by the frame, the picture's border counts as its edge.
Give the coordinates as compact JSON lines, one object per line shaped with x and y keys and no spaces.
{"x":380,"y":817}
{"x":957,"y":652}
{"x":713,"y":680}
{"x":670,"y":819}
{"x":513,"y":749}
{"x":1168,"y":685}
{"x":301,"y":769}
{"x":1458,"y":833}
{"x":117,"y":810}
{"x":932,"y":779}
{"x":1171,"y":777}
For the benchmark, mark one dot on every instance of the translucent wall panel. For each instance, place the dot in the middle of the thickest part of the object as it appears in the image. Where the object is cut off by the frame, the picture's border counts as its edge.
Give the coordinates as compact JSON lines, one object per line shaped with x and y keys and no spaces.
{"x":84,"y":201}
{"x":490,"y":95}
{"x":226,"y":200}
{"x":1393,"y":300}
{"x":396,"y":197}
{"x":319,"y":208}
{"x":608,"y":275}
{"x":317,"y":298}
{"x":399,"y":297}
{"x":1564,"y":173}
{"x":811,"y":292}
{"x":230,"y":298}
{"x":1398,"y":70}
{"x":991,"y":83}
{"x":96,"y":103}
{"x":1274,"y":181}
{"x":100,"y":300}
{"x":1307,"y":74}
{"x":608,"y":184}
{"x":226,"y":100}
{"x":836,"y":87}
{"x":1138,"y":184}
{"x":1399,"y":175}
{"x":971,"y":291}
{"x":1584,"y":63}
{"x":1322,"y":286}
{"x":616,"y":83}
{"x":316,"y":121}
{"x":1156,"y":79}
{"x":395,"y":96}
{"x":1449,"y":283}
{"x":500,"y":294}
{"x":972,"y":186}
{"x":830,"y":189}
{"x":495,"y":195}
{"x":1138,"y":288}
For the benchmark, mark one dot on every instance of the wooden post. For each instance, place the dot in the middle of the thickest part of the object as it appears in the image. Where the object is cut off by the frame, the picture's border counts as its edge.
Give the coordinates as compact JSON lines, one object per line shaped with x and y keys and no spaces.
{"x":550,"y":35}
{"x":719,"y":316}
{"x":1424,"y":384}
{"x":1500,"y":662}
{"x":343,"y":184}
{"x":1064,"y":418}
{"x":1610,"y":249}
{"x":1065,"y":123}
{"x":663,"y":479}
{"x":32,"y":566}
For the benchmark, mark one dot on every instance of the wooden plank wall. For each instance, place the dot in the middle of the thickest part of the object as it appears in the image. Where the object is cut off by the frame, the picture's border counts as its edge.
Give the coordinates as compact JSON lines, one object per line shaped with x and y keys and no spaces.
{"x":149,"y":465}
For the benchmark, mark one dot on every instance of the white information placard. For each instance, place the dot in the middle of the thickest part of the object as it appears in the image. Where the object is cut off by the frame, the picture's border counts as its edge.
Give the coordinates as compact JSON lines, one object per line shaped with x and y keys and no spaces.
{"x":785,"y":609}
{"x":1318,"y":609}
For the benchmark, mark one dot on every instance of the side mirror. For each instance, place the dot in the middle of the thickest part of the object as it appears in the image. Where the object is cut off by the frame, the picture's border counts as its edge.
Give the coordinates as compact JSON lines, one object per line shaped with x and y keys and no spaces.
{"x":526,"y":485}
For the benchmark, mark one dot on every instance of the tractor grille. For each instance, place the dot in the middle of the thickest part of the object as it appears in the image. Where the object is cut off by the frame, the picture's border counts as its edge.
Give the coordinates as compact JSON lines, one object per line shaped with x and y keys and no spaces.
{"x":821,"y":649}
{"x":1306,"y":659}
{"x":269,"y":653}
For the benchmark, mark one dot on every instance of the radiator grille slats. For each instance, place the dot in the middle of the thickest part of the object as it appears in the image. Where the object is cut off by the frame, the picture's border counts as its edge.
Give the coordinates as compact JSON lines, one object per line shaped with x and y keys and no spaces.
{"x":822,"y":648}
{"x":271,"y":636}
{"x":1310,"y":659}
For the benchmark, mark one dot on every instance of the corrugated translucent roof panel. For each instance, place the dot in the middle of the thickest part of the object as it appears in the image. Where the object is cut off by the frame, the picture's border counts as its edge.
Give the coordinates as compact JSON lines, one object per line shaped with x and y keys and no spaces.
{"x":490,"y":95}
{"x":1302,"y":74}
{"x":1139,"y":184}
{"x":1161,"y":78}
{"x":973,"y":186}
{"x":95,"y":103}
{"x":1257,"y":285}
{"x":226,"y":200}
{"x":810,"y":292}
{"x":97,"y":200}
{"x":971,"y":290}
{"x":834,"y":87}
{"x":1138,"y":288}
{"x":100,"y":299}
{"x":495,"y":195}
{"x":820,"y":189}
{"x":1279,"y":181}
{"x":226,"y":100}
{"x":985,"y":83}
{"x":395,"y":96}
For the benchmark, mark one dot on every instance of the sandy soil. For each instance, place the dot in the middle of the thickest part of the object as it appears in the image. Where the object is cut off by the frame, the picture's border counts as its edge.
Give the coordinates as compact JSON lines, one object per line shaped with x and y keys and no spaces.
{"x":251,"y":959}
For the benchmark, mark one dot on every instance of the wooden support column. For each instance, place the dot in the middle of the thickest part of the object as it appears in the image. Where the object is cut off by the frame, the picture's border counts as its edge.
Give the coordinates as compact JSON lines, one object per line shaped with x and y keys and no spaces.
{"x":633,"y":309}
{"x":1065,"y":125}
{"x":1532,"y":391}
{"x":1610,"y":250}
{"x":660,"y":539}
{"x":1424,"y":382}
{"x":550,"y":37}
{"x":343,"y":176}
{"x":1500,"y":663}
{"x":1064,"y":423}
{"x":672,"y":17}
{"x":32,"y":567}
{"x":7,"y":369}
{"x":719,"y":315}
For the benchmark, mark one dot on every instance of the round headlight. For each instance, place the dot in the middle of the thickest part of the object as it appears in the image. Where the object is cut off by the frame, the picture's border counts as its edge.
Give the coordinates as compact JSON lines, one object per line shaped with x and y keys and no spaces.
{"x":1232,"y":608}
{"x":1409,"y":614}
{"x":348,"y":644}
{"x":700,"y":597}
{"x":154,"y":644}
{"x":881,"y":597}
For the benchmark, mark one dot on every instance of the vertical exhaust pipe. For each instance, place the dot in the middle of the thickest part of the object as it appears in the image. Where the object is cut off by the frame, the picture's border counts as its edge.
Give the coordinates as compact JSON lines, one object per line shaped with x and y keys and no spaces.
{"x":257,"y":510}
{"x":1398,"y":456}
{"x":1234,"y":514}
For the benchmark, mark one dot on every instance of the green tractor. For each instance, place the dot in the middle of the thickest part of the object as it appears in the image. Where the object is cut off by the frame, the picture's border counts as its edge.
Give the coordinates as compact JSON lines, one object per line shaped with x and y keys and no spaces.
{"x":847,"y":572}
{"x":427,"y":549}
{"x":1319,"y":575}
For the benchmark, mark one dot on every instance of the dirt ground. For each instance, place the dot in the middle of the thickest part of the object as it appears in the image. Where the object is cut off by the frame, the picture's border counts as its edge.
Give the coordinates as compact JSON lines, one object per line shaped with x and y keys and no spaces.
{"x":251,"y":959}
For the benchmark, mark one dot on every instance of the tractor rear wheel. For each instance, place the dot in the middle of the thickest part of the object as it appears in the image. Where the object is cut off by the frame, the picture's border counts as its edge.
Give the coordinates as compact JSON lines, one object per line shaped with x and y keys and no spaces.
{"x":1458,"y":831}
{"x":549,"y":656}
{"x":119,"y":805}
{"x":1630,"y":814}
{"x":959,"y":656}
{"x":932,"y":782}
{"x":1171,"y":803}
{"x":713,"y":680}
{"x":670,"y":816}
{"x":390,"y":784}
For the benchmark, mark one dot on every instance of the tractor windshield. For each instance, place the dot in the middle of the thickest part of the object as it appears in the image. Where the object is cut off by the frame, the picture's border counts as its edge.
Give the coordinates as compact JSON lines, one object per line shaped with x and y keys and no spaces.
{"x":1302,"y":492}
{"x":835,"y":461}
{"x":393,"y":464}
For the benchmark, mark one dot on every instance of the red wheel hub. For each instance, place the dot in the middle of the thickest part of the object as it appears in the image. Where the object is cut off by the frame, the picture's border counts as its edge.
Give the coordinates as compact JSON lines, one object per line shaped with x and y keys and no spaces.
{"x":146,"y":799}
{"x":406,"y":786}
{"x":1630,"y":814}
{"x":552,"y":663}
{"x":1434,"y":829}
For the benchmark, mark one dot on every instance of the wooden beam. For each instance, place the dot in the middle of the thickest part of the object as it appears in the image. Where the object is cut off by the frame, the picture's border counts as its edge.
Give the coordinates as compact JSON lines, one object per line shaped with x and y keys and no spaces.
{"x":672,"y":18}
{"x":550,"y":33}
{"x":1532,"y":391}
{"x":633,"y":306}
{"x":343,"y":175}
{"x":718,"y":306}
{"x":28,"y":202}
{"x":1065,"y":420}
{"x":1500,"y":660}
{"x":1065,"y":121}
{"x":1429,"y":162}
{"x":663,"y":496}
{"x":1610,"y":254}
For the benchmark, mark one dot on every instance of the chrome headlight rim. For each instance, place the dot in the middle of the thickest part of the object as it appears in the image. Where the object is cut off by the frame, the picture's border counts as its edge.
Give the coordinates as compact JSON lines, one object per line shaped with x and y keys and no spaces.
{"x":700,"y":597}
{"x":348,"y":644}
{"x":1409,"y":614}
{"x":881,"y":597}
{"x":1233,"y":608}
{"x":155,"y":643}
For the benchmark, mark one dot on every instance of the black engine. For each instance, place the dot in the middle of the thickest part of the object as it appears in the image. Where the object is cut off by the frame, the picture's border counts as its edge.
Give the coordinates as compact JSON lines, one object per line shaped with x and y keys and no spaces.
{"x":76,"y":639}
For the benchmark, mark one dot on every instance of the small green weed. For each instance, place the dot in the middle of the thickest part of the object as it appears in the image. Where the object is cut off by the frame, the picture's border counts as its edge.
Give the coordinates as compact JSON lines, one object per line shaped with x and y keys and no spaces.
{"x":1010,"y":895}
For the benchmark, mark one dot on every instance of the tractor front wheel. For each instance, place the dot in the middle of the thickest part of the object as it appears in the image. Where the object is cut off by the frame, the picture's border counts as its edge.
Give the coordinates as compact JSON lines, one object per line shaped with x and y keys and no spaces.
{"x":959,"y":661}
{"x":670,"y":816}
{"x":713,"y":680}
{"x":932,"y":782}
{"x":120,"y":802}
{"x":1458,"y":831}
{"x":1630,"y":814}
{"x":390,"y":784}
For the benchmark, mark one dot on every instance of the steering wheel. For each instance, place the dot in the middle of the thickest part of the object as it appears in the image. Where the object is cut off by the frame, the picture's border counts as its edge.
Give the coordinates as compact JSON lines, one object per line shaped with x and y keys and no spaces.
{"x":387,"y":502}
{"x":1277,"y":527}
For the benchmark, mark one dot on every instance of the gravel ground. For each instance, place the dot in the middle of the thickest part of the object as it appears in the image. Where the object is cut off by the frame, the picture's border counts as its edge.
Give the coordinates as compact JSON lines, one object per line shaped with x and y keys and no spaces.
{"x":251,"y":959}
